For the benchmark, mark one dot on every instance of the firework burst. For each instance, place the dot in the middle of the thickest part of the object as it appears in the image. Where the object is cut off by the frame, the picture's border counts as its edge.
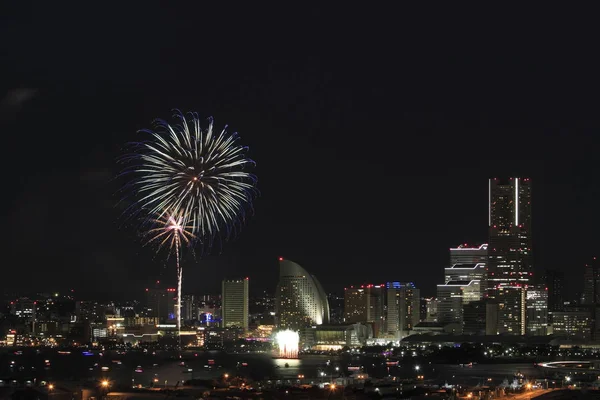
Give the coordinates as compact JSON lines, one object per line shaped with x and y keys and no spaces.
{"x":188,"y":185}
{"x":199,"y":174}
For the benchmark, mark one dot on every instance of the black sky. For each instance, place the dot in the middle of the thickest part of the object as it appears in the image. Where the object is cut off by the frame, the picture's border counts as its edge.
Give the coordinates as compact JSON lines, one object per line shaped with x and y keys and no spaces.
{"x":374,"y":130}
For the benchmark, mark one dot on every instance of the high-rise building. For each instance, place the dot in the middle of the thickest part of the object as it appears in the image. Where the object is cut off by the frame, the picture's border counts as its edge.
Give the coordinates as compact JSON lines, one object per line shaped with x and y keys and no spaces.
{"x":537,"y":310}
{"x":189,"y":307}
{"x":591,"y":286}
{"x":300,"y":298}
{"x":474,"y":318}
{"x":467,"y":273}
{"x":234,"y":303}
{"x":355,"y":305}
{"x":453,"y":296}
{"x":365,"y":304}
{"x":161,"y":302}
{"x":512,"y":309}
{"x":554,"y":281}
{"x":431,"y":309}
{"x":575,"y":323}
{"x":24,"y":308}
{"x":510,"y":245}
{"x":403,"y":308}
{"x":464,"y":254}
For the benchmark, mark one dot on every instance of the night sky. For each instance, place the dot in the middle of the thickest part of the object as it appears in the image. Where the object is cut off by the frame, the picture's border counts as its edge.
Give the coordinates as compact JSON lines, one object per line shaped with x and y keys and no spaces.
{"x":374,"y":131}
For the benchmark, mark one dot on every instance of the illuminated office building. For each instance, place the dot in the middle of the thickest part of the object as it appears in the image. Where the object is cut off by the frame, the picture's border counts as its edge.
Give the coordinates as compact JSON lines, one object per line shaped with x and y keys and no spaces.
{"x":537,"y":310}
{"x":365,"y":304}
{"x":403,"y":308}
{"x":512,"y":309}
{"x":234,"y":303}
{"x":510,"y":245}
{"x":465,"y":254}
{"x":591,"y":286}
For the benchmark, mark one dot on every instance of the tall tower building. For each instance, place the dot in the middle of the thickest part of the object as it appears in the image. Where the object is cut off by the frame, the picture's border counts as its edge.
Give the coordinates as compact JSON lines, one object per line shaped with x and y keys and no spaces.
{"x":554,"y":281}
{"x":510,"y":245}
{"x":512,"y":309}
{"x":365,"y":304}
{"x":161,"y":302}
{"x":355,"y":305}
{"x":234,"y":303}
{"x":591,"y":285}
{"x":403,"y":308}
{"x":537,"y":310}
{"x":300,"y":300}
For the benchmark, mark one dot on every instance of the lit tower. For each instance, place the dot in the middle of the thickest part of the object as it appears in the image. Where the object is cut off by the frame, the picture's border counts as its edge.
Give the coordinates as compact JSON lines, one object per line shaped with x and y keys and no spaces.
{"x":300,"y":300}
{"x":509,"y":248}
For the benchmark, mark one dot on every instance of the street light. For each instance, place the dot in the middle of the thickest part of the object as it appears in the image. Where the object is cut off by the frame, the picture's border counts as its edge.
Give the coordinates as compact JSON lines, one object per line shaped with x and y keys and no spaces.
{"x":104,"y":383}
{"x":417,"y":367}
{"x":50,"y":387}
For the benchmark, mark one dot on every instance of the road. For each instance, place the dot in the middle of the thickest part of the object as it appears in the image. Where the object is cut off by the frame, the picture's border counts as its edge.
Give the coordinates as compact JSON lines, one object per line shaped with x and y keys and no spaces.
{"x":530,"y":394}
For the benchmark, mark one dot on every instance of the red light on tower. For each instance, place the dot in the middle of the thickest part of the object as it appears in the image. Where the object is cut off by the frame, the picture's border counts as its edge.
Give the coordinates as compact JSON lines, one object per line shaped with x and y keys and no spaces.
{"x":247,"y":278}
{"x":280,"y":258}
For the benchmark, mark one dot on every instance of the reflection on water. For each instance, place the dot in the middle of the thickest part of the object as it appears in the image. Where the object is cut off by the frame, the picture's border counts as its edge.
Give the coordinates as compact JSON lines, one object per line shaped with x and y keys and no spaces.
{"x":287,"y":368}
{"x":121,"y":369}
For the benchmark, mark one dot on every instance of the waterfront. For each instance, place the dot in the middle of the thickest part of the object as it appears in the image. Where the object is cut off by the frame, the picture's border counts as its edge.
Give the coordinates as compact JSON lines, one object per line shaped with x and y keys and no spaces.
{"x":132,"y":368}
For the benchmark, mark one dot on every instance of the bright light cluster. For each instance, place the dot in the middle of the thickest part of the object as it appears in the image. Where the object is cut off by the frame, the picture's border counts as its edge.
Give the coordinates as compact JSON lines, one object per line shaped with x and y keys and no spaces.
{"x":287,"y":342}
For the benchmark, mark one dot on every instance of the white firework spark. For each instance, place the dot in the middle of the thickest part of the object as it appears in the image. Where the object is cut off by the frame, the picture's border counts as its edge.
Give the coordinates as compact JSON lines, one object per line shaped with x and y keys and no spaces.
{"x":198,"y":174}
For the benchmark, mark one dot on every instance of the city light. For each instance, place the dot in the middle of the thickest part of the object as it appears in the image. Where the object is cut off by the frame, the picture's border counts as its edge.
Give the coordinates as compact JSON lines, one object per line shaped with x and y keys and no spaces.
{"x":287,"y":343}
{"x":104,"y":383}
{"x":50,"y":387}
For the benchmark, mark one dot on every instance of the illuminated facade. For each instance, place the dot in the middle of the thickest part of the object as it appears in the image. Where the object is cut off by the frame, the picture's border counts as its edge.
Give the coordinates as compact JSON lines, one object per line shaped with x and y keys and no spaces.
{"x":403,"y":308}
{"x":468,"y":273}
{"x":512,"y":309}
{"x":24,"y":308}
{"x":161,"y":303}
{"x":591,"y":286}
{"x":431,"y":309}
{"x":463,"y":254}
{"x":365,"y":304}
{"x":509,"y":249}
{"x":452,"y":296}
{"x":576,"y":324}
{"x":537,"y":310}
{"x":554,"y":281}
{"x":234,"y":304}
{"x":300,"y":298}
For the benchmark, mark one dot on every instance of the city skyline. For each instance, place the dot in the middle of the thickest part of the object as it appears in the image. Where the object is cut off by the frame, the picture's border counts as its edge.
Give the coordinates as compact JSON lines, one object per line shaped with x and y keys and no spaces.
{"x":361,"y":150}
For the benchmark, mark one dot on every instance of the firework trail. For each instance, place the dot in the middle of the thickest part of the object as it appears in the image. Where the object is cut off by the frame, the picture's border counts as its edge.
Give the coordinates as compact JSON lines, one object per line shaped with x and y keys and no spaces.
{"x":188,"y":185}
{"x":171,"y":231}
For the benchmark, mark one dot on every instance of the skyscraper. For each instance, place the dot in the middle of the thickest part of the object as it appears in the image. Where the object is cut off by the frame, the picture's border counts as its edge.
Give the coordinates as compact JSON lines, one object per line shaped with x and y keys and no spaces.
{"x":512,"y":309}
{"x":591,"y":285}
{"x":453,"y":296}
{"x":234,"y":303}
{"x":160,"y":302}
{"x":300,"y":298}
{"x":537,"y":310}
{"x":510,"y":245}
{"x":554,"y":281}
{"x":365,"y":304}
{"x":403,"y":308}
